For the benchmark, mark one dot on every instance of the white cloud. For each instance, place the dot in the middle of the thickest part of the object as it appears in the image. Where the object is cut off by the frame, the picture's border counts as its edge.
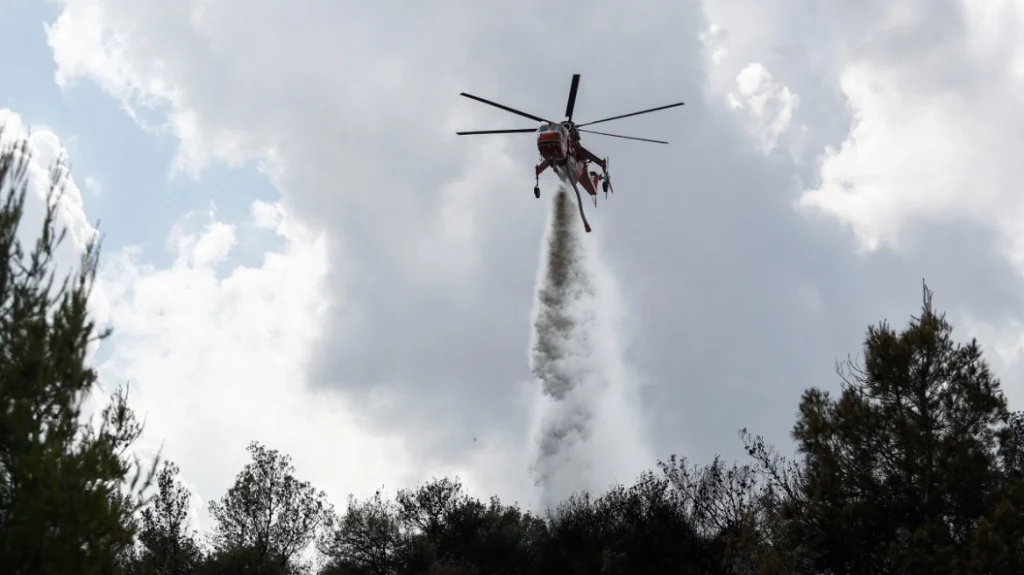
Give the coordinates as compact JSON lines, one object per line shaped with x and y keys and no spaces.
{"x":932,"y":99}
{"x":934,"y":134}
{"x":216,"y":362}
{"x":93,"y":185}
{"x":713,"y":39}
{"x":267,"y":216}
{"x":933,"y":119}
{"x":911,"y":158}
{"x":340,"y":149}
{"x":767,"y":104}
{"x":46,"y":149}
{"x":739,"y":78}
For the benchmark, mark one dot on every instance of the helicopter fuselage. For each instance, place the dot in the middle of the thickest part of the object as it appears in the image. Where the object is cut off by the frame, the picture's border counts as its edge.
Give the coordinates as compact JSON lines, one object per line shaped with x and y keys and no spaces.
{"x":560,"y":148}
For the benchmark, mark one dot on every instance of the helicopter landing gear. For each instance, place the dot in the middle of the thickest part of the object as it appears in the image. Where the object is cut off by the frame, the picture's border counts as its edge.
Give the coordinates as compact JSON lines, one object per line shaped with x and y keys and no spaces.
{"x":606,"y":184}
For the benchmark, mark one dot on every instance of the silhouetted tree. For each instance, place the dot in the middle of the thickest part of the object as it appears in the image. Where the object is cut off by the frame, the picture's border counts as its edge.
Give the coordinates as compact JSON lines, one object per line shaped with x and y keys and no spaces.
{"x":268,"y":517}
{"x":168,"y":546}
{"x":767,"y":543}
{"x":576,"y":537}
{"x":730,"y":509}
{"x":649,"y":527}
{"x":447,"y":531}
{"x":67,"y":491}
{"x":366,"y":540}
{"x":896,"y":473}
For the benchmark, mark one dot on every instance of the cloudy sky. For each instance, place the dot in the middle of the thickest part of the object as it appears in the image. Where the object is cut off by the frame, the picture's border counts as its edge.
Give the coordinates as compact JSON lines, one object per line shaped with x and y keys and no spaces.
{"x":299,"y":250}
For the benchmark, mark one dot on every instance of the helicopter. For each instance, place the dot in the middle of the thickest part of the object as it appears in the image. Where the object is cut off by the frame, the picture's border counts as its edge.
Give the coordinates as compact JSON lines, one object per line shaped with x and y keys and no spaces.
{"x":561,"y":150}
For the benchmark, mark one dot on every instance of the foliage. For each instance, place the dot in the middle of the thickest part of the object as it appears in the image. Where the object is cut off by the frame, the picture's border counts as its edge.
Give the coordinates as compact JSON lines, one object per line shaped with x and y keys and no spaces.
{"x":167,"y":545}
{"x":67,"y":488}
{"x":268,"y":512}
{"x":367,"y":539}
{"x":903,"y":472}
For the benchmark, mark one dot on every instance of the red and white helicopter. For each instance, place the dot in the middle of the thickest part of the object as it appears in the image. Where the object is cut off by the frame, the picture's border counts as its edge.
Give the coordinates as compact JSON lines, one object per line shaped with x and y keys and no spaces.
{"x":561,"y":150}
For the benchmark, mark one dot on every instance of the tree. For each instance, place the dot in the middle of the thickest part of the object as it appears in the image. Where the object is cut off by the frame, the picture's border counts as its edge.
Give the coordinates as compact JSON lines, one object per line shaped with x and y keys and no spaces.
{"x":428,"y":515}
{"x":669,"y":522}
{"x":268,"y":517}
{"x":649,"y":530}
{"x":896,"y":474}
{"x":435,"y":528}
{"x":169,"y":547}
{"x":367,"y":538}
{"x":731,"y":510}
{"x":67,"y":491}
{"x":447,"y":531}
{"x":997,"y":541}
{"x":577,"y":540}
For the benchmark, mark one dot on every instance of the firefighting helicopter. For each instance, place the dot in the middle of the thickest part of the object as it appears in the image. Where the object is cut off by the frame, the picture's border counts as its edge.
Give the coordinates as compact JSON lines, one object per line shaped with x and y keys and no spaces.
{"x":560,"y":148}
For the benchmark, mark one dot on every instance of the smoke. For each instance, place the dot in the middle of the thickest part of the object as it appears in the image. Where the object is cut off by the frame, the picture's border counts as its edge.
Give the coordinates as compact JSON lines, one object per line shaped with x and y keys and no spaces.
{"x":588,"y":430}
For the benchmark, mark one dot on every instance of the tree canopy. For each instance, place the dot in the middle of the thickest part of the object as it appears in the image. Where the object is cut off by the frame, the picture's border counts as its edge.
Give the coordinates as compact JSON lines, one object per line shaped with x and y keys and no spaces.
{"x":68,"y":493}
{"x":910,"y":463}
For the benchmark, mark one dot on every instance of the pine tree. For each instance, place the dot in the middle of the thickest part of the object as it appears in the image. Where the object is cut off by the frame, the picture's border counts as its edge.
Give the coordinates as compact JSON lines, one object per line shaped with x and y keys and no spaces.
{"x":897,"y":472}
{"x":67,"y":491}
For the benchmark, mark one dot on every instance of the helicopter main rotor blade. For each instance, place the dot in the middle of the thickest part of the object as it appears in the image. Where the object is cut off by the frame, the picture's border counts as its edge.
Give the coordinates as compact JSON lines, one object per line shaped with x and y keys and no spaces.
{"x":571,"y":104}
{"x":625,"y":137}
{"x":506,"y":108}
{"x":515,"y":131}
{"x":633,"y":114}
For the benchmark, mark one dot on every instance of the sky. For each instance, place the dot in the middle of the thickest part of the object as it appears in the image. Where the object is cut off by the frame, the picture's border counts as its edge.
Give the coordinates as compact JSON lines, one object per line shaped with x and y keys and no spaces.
{"x":298,"y":249}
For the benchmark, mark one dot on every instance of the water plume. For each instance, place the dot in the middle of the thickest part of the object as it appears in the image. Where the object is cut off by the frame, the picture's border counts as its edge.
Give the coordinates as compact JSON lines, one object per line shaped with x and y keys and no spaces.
{"x":587,"y":429}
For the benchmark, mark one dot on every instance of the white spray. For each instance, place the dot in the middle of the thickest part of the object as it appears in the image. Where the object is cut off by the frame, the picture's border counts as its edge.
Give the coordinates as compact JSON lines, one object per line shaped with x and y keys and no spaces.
{"x":587,"y":429}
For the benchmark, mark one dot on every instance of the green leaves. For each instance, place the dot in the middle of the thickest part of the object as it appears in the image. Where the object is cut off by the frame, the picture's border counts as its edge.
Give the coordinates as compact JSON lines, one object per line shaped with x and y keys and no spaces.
{"x":899,"y":472}
{"x":269,"y":512}
{"x":63,"y":483}
{"x":167,"y":545}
